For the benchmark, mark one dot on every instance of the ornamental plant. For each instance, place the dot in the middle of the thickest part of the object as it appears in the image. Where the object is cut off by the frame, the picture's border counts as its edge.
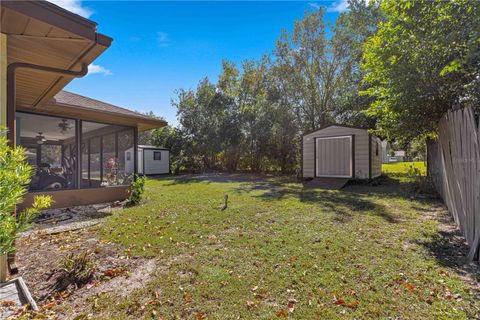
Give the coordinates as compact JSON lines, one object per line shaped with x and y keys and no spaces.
{"x":15,"y":175}
{"x":137,"y":187}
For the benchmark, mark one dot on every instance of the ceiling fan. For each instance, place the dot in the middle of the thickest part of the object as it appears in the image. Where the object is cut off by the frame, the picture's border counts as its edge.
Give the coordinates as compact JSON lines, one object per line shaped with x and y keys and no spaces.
{"x":64,"y":126}
{"x":40,"y":138}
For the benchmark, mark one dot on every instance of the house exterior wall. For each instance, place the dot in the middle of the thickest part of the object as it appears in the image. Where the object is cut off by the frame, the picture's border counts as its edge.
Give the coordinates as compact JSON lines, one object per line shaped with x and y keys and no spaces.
{"x":385,"y":155}
{"x":376,"y":157}
{"x":360,"y":141}
{"x":76,"y":197}
{"x":151,"y":166}
{"x":140,"y":161}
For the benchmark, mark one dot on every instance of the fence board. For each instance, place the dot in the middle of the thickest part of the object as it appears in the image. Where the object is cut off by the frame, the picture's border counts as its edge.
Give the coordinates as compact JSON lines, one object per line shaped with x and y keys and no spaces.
{"x":454,"y":166}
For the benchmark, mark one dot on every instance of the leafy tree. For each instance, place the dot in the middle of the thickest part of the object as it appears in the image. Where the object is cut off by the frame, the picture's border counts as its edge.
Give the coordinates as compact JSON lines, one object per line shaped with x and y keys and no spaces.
{"x":351,"y":30}
{"x":423,"y":60}
{"x":144,"y":136}
{"x":321,"y":74}
{"x":15,"y":174}
{"x":253,"y":117}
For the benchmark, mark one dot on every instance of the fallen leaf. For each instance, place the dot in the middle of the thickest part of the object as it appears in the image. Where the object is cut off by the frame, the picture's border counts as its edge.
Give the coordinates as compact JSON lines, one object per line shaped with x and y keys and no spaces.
{"x":281,"y":313}
{"x":187,"y":297}
{"x":350,"y":291}
{"x":410,"y":287}
{"x":353,"y":305}
{"x":291,"y":305}
{"x":200,"y":316}
{"x":251,"y":304}
{"x":8,"y":304}
{"x":448,"y":295}
{"x":114,"y":272}
{"x":338,"y":301}
{"x":48,"y":306}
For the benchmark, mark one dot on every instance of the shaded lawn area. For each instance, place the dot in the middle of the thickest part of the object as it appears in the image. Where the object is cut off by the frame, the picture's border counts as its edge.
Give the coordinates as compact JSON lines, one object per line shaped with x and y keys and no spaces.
{"x":282,"y":250}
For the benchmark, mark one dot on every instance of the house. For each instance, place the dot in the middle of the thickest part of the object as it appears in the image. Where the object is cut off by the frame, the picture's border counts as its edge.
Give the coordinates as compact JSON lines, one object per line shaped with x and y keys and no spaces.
{"x":151,"y":160}
{"x":77,"y":144}
{"x":385,"y":151}
{"x":339,"y":151}
{"x":398,"y":156}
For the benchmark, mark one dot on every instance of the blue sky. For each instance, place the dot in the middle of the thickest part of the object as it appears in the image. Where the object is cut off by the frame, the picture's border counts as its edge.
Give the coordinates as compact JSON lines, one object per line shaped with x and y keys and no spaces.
{"x":160,"y":47}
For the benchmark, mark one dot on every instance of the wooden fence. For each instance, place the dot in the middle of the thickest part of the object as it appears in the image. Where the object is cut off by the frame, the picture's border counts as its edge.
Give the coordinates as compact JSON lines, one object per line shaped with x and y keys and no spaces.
{"x":454,"y":167}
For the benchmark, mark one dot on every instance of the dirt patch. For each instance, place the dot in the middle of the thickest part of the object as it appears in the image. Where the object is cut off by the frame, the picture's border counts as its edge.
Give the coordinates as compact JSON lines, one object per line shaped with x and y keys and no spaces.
{"x":116,"y":271}
{"x":450,"y":248}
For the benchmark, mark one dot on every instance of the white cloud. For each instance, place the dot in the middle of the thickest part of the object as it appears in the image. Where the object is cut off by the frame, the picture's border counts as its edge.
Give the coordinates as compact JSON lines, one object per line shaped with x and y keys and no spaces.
{"x":95,"y":68}
{"x":74,"y":6}
{"x":163,"y":39}
{"x":314,"y":5}
{"x":338,"y":6}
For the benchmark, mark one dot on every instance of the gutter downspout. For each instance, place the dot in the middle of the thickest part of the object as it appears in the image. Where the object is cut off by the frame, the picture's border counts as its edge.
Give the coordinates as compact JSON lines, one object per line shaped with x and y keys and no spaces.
{"x":11,"y":106}
{"x":11,"y":89}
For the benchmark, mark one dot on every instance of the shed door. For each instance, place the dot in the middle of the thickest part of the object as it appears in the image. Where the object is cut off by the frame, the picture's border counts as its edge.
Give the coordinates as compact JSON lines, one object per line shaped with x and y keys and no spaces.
{"x":334,"y":157}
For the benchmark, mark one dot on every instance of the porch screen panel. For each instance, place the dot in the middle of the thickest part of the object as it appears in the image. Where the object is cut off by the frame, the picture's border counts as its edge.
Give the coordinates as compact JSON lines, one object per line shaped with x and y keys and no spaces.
{"x":110,"y":161}
{"x":125,"y":144}
{"x":95,"y":162}
{"x":47,"y":140}
{"x":106,"y":153}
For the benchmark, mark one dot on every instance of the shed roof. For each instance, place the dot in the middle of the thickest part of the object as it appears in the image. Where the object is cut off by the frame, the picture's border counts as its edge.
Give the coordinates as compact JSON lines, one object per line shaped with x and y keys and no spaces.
{"x":335,"y":125}
{"x":146,"y":146}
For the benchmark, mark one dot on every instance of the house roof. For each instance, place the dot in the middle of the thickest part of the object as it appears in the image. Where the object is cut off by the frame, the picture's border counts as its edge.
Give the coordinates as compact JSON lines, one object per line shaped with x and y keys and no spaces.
{"x":70,"y":98}
{"x":87,"y":106}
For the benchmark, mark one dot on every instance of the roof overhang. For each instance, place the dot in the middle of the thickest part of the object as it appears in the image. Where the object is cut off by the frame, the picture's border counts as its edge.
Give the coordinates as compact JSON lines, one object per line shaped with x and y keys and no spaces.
{"x":41,"y":33}
{"x":78,"y":112}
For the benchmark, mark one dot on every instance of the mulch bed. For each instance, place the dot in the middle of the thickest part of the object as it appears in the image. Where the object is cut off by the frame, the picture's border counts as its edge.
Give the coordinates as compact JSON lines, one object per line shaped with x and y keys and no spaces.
{"x":40,"y":251}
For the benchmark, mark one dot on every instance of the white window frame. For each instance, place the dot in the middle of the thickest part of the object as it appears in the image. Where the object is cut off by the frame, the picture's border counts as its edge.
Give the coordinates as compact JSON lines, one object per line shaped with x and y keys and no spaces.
{"x":316,"y":157}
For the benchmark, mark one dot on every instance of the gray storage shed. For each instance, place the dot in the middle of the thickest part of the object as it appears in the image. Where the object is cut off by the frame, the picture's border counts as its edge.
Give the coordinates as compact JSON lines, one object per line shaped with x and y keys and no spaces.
{"x":340,"y":151}
{"x":151,"y":160}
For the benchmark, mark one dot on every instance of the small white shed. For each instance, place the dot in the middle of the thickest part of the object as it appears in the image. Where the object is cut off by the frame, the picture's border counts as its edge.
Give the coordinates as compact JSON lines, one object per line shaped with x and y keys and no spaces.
{"x":339,"y":151}
{"x":151,"y":160}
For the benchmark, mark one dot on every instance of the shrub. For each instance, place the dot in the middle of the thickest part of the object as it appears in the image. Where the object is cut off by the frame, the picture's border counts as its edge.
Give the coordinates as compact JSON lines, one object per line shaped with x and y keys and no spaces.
{"x":15,"y":174}
{"x":75,"y":269}
{"x":137,"y":187}
{"x":421,"y":182}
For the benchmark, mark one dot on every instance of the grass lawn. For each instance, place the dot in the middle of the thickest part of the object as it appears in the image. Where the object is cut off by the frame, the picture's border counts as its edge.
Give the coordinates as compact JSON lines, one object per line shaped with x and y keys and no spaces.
{"x":402,"y":167}
{"x":282,"y":250}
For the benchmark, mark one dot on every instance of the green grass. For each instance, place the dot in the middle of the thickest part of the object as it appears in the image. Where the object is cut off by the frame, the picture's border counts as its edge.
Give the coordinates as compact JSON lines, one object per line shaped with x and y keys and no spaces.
{"x":277,"y":242}
{"x":402,"y":167}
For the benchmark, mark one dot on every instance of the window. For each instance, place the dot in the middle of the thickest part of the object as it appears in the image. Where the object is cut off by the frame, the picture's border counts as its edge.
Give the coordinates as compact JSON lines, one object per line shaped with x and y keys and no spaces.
{"x":50,"y":143}
{"x":105,"y":149}
{"x":157,"y":155}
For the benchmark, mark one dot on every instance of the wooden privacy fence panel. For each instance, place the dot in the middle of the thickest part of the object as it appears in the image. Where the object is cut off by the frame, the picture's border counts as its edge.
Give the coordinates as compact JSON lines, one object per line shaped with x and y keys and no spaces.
{"x":454,"y":166}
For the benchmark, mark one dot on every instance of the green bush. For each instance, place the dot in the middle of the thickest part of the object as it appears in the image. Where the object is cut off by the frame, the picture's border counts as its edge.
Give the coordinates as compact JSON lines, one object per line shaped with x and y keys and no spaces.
{"x":75,"y":269}
{"x":137,"y":187}
{"x":421,"y":182}
{"x":15,"y":174}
